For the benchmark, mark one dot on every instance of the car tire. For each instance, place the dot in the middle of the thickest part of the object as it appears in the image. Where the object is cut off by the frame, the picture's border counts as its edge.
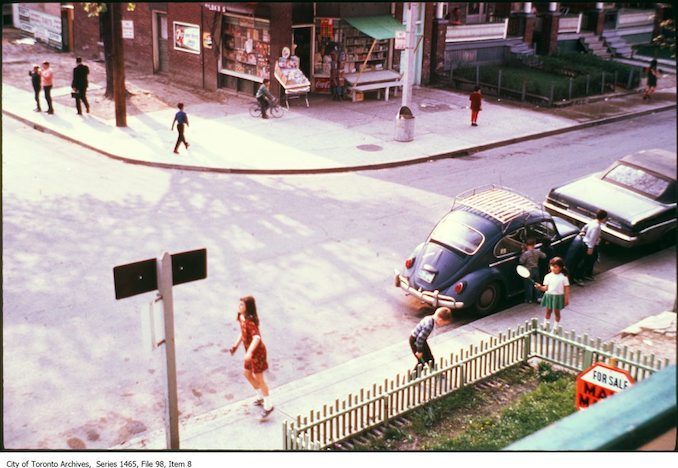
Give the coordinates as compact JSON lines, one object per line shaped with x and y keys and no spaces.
{"x":489,"y":298}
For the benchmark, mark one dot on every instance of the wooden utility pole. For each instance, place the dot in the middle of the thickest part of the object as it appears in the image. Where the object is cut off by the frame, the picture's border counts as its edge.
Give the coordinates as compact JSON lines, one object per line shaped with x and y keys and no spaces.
{"x":118,"y":62}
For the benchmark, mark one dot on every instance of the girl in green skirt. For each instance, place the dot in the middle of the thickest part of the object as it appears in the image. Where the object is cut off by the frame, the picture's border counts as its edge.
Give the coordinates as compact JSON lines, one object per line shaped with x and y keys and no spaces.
{"x":556,"y":290}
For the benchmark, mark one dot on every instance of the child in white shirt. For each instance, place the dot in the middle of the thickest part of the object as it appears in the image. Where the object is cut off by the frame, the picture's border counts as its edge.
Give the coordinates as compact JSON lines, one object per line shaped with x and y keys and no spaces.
{"x":557,"y":290}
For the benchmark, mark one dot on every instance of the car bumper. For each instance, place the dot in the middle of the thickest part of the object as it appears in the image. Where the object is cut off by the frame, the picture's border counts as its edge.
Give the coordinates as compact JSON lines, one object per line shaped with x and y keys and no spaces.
{"x":434,"y":298}
{"x":607,"y":234}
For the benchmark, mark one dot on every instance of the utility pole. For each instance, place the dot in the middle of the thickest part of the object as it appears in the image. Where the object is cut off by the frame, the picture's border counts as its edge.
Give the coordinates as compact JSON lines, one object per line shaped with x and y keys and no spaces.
{"x":411,"y":36}
{"x":118,"y":69}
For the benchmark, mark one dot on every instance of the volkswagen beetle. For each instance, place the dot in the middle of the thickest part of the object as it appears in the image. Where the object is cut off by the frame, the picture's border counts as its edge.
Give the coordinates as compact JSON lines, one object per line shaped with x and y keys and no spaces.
{"x":470,"y":257}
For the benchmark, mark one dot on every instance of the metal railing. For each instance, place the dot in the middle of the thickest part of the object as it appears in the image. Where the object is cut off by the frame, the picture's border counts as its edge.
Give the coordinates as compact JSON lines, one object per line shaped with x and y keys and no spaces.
{"x":372,"y":407}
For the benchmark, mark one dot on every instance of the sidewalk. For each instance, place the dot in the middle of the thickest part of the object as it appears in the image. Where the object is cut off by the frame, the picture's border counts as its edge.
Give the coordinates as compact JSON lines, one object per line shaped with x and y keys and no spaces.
{"x":607,"y":308}
{"x":328,"y":136}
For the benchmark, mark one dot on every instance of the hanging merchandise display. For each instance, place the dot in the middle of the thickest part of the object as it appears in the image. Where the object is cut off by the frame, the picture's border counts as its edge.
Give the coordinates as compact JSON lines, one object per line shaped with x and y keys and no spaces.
{"x":293,"y":81}
{"x":246,"y":47}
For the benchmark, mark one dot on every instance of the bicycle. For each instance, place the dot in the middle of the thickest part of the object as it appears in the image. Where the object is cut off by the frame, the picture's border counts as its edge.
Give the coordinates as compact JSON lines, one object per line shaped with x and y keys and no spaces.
{"x":274,"y":109}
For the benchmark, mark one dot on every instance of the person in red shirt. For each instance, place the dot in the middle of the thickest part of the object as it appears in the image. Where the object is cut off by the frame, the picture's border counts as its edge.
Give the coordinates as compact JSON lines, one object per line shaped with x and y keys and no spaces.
{"x":47,"y":80}
{"x":476,"y":105}
{"x":255,"y":353}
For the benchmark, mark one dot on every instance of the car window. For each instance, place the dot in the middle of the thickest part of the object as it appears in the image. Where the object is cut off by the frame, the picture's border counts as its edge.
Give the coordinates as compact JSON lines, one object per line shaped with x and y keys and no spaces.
{"x":541,"y":231}
{"x":452,"y":233}
{"x":510,"y":244}
{"x":638,"y":180}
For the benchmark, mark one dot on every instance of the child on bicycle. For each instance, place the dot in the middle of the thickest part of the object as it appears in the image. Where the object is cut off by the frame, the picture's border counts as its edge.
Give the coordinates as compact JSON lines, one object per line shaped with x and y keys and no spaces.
{"x":264,"y":96}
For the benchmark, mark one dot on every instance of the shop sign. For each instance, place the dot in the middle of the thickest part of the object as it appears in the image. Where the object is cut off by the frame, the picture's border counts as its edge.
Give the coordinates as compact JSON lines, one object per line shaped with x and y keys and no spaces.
{"x":127,"y":29}
{"x":400,"y":40}
{"x":43,"y":26}
{"x":598,"y":382}
{"x":187,"y":37}
{"x":207,"y":40}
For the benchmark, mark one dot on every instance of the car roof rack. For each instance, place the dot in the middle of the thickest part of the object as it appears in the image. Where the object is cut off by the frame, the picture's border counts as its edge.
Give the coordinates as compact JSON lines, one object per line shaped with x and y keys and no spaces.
{"x":500,"y":203}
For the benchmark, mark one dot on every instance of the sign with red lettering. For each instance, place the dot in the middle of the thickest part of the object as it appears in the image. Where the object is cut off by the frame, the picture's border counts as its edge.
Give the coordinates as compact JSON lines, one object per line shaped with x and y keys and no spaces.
{"x":598,"y":382}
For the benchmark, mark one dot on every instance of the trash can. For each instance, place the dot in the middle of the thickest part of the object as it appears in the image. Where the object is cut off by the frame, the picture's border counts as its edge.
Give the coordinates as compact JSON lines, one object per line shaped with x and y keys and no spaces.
{"x":404,"y":130}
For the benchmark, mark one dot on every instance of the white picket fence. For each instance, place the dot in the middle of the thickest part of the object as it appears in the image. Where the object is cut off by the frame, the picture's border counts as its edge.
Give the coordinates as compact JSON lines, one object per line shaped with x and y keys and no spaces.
{"x":372,"y":407}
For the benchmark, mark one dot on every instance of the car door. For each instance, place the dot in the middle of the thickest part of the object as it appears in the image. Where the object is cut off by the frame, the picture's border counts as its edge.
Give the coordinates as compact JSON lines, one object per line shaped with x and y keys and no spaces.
{"x":507,"y":252}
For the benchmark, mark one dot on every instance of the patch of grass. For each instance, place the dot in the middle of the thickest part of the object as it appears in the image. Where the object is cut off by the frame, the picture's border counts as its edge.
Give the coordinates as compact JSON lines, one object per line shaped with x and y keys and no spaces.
{"x":552,"y":400}
{"x":522,"y":402}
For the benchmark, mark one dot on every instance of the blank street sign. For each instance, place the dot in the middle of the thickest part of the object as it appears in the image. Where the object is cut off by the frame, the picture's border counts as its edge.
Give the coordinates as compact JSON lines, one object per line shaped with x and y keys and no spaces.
{"x":135,"y":278}
{"x":189,"y":266}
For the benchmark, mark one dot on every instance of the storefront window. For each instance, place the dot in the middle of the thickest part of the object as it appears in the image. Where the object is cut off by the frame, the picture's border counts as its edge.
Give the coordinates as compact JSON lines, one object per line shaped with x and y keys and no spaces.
{"x":246,"y":47}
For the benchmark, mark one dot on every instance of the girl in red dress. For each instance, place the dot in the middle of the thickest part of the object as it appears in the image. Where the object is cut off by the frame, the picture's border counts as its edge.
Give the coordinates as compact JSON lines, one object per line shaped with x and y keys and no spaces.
{"x":255,"y":352}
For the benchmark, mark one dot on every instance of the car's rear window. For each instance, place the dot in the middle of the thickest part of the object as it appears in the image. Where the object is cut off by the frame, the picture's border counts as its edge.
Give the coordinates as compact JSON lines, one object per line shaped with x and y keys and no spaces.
{"x":457,"y":235}
{"x":637,"y":179}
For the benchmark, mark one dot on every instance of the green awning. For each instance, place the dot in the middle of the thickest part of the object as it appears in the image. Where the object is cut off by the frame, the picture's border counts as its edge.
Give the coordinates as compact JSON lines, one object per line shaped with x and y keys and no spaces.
{"x":378,"y":27}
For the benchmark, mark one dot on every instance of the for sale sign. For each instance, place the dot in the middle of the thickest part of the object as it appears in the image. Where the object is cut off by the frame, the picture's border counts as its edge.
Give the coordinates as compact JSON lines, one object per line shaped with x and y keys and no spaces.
{"x":598,"y":382}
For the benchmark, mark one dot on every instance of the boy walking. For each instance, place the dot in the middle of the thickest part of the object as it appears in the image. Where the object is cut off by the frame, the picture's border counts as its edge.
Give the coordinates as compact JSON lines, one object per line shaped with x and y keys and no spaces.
{"x":181,"y":119}
{"x":420,"y":334}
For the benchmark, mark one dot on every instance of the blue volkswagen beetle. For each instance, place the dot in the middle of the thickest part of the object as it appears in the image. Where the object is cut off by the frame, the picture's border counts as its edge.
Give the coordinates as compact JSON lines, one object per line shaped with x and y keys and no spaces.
{"x":470,"y":257}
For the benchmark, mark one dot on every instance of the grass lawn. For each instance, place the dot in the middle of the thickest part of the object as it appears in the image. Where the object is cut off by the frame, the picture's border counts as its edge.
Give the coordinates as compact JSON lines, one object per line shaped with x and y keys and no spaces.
{"x":516,"y":402}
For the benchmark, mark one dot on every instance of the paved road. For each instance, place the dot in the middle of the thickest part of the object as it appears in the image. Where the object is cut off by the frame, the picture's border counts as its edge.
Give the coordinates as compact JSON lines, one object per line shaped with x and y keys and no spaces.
{"x":314,"y":250}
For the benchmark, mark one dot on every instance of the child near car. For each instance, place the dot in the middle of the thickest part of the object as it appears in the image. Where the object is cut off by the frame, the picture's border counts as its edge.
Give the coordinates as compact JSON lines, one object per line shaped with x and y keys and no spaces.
{"x":557,"y":291}
{"x":530,"y":259}
{"x":419,"y":336}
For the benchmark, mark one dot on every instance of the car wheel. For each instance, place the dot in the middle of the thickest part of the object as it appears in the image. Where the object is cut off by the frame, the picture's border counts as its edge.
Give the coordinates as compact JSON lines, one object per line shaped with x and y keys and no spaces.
{"x":488,"y":299}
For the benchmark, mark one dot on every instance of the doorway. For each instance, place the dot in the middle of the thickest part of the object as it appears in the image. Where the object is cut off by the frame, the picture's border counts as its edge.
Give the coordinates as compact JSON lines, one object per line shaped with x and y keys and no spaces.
{"x":160,"y":36}
{"x":476,"y":13}
{"x":302,"y":38}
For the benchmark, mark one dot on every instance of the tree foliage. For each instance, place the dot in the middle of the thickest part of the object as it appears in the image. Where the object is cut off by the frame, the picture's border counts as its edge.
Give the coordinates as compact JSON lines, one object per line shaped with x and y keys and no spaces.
{"x":667,"y":37}
{"x":96,"y":9}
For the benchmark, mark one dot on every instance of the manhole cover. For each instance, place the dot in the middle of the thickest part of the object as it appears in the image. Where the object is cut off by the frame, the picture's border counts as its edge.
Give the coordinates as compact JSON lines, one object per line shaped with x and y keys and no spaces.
{"x":370,"y":147}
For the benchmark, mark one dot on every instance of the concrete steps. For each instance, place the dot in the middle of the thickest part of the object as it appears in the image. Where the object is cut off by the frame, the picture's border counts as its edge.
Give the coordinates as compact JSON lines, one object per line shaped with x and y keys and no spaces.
{"x":594,"y":45}
{"x":616,"y":44}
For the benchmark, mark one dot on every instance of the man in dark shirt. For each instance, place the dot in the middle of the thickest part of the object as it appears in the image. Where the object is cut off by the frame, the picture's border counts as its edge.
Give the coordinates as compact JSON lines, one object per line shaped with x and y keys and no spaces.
{"x":79,"y":85}
{"x":181,"y":119}
{"x":35,"y":81}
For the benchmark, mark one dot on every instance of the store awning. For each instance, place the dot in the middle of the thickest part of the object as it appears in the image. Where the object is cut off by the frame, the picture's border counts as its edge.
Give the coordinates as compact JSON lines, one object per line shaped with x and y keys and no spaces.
{"x":377,"y":27}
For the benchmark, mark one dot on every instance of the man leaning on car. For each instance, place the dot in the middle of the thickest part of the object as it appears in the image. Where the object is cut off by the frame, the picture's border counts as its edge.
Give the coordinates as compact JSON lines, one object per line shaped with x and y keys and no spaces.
{"x":584,"y":252}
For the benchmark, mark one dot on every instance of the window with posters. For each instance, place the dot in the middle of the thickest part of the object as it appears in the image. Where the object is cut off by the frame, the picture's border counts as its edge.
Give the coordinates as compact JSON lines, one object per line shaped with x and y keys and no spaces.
{"x":246,"y":47}
{"x":187,"y":37}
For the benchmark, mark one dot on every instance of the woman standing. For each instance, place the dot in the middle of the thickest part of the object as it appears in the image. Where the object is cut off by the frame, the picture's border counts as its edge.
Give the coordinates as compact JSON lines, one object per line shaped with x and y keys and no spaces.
{"x":651,"y":79}
{"x":476,"y":99}
{"x":255,"y":353}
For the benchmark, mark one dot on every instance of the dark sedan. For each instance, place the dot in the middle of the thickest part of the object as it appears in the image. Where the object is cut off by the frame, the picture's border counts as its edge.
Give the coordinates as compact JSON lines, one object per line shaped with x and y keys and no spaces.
{"x":470,"y":257}
{"x":638,"y":192}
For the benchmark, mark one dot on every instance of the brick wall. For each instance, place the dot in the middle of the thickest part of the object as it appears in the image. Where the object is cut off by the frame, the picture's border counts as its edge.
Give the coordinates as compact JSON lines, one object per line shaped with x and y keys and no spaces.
{"x":86,"y":35}
{"x":184,"y":67}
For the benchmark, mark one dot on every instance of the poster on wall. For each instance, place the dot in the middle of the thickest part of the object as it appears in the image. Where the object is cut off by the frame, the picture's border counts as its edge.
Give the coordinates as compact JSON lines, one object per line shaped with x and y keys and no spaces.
{"x":187,"y":37}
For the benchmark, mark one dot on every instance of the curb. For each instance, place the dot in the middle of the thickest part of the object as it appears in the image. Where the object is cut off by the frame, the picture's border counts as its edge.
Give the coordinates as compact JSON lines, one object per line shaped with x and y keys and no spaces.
{"x":344,"y":169}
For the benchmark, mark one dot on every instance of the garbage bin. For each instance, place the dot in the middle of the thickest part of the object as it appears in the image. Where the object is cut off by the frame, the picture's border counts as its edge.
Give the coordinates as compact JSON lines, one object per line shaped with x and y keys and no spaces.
{"x":404,"y":130}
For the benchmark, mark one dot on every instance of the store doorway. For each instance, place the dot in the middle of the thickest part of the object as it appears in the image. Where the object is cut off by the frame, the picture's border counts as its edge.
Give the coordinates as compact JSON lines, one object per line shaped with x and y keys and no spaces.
{"x":302,"y":37}
{"x":160,"y":36}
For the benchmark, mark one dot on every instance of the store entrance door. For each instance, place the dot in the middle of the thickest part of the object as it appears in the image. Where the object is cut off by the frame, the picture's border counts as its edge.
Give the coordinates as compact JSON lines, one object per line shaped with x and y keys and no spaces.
{"x":302,"y":37}
{"x":160,"y":36}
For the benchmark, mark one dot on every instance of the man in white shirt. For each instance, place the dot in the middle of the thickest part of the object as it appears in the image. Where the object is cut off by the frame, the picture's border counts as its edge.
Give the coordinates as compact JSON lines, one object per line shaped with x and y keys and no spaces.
{"x":588,"y":249}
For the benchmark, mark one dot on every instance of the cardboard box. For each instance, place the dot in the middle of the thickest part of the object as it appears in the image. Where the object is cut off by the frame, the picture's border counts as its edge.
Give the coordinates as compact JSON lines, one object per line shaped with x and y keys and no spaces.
{"x":359,"y":96}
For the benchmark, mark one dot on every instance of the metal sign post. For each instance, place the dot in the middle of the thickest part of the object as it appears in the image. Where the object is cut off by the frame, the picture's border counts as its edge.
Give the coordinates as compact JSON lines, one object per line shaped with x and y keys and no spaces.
{"x":165,"y":291}
{"x":148,"y":275}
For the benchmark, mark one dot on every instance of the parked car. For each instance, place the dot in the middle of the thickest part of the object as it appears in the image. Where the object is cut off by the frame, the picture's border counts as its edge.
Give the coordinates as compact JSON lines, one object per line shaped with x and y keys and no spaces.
{"x":470,"y":257}
{"x":638,"y":192}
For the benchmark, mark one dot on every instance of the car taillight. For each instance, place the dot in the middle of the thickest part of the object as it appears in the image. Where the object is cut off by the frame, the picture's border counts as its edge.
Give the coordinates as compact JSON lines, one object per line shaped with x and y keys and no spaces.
{"x":409,"y":262}
{"x":459,"y":287}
